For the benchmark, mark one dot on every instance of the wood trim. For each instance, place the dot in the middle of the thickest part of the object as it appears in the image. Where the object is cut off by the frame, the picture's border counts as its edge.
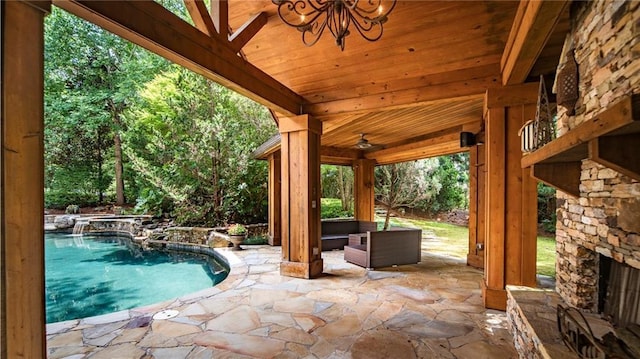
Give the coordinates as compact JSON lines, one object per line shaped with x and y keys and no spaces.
{"x":247,"y":31}
{"x":534,"y":23}
{"x":200,"y":16}
{"x":22,"y":177}
{"x":155,"y":28}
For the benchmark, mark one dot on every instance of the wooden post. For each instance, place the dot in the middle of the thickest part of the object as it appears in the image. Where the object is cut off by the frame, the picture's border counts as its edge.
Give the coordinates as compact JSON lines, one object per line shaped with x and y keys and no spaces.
{"x":22,"y":179}
{"x":477,"y":198}
{"x":511,"y":204}
{"x":275,"y":196}
{"x":300,"y":158}
{"x":363,"y":189}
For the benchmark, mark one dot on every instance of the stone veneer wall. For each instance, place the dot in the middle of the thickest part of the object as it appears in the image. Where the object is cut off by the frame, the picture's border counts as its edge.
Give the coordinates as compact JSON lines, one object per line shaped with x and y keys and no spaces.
{"x":606,"y":218}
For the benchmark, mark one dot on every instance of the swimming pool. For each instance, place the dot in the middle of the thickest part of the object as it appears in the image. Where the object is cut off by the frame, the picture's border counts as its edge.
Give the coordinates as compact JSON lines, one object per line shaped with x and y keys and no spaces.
{"x":87,"y":275}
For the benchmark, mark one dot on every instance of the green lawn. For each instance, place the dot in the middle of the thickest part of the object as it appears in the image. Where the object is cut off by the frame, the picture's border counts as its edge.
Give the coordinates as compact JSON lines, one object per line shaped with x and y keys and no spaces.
{"x":453,"y":240}
{"x":547,"y":256}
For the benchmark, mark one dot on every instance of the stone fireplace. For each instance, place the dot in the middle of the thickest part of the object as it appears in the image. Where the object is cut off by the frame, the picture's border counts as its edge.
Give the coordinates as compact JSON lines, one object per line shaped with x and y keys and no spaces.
{"x":598,"y":227}
{"x":604,"y":222}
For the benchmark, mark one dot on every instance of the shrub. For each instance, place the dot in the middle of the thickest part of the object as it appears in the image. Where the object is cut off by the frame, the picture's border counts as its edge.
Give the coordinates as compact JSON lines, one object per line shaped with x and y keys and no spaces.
{"x":237,"y":230}
{"x":72,"y":209}
{"x":332,"y":208}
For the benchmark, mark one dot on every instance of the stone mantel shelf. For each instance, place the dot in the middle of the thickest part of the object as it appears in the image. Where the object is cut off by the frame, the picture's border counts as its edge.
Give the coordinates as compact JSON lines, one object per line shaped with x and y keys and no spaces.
{"x":610,"y":139}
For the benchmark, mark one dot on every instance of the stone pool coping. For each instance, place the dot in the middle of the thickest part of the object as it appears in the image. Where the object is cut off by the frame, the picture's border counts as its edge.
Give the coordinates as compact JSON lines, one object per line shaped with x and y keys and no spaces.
{"x":431,"y":309}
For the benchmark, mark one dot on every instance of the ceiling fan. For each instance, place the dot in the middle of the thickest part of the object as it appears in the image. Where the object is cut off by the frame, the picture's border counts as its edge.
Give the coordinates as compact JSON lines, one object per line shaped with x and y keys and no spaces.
{"x":363,"y":143}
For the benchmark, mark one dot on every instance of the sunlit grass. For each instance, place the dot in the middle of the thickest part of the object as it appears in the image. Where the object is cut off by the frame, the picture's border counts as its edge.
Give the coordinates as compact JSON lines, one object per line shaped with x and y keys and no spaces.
{"x":547,"y":256}
{"x":453,"y":240}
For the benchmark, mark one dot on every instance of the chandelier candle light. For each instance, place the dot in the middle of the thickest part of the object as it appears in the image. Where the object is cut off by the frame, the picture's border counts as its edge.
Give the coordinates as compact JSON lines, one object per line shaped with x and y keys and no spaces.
{"x":311,"y":17}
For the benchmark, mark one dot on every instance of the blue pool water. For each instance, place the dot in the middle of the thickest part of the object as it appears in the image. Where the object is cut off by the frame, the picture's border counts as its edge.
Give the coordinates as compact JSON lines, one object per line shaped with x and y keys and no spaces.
{"x":87,"y":276}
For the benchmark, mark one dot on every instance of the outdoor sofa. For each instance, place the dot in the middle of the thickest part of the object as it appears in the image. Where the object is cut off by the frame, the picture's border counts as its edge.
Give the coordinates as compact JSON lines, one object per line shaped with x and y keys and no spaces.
{"x":335,"y":233}
{"x":397,"y":246}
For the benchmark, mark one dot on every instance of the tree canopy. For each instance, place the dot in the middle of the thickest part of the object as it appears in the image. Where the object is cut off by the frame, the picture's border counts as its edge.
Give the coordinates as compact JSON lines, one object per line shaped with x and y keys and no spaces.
{"x":124,"y":125}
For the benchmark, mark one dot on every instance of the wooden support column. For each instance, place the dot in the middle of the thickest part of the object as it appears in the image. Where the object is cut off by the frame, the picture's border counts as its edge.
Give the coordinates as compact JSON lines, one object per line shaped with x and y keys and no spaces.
{"x":275,"y":197}
{"x":300,"y":157}
{"x":363,"y":189}
{"x":22,"y":173}
{"x":477,"y":204}
{"x":511,"y":202}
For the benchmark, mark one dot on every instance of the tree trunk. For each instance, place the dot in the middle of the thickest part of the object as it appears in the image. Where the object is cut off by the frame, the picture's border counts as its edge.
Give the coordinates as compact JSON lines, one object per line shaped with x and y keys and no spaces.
{"x":120,"y":199}
{"x":386,"y":219}
{"x":99,"y":159}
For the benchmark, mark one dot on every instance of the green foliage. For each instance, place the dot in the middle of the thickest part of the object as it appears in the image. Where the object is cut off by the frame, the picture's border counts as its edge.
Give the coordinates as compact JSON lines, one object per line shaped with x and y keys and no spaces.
{"x":91,"y":76}
{"x":190,"y":141}
{"x":453,"y":176}
{"x":237,"y":229}
{"x":547,"y":207}
{"x":256,"y":240}
{"x":337,"y":182}
{"x":405,"y":185}
{"x":546,"y":256}
{"x":332,"y":208}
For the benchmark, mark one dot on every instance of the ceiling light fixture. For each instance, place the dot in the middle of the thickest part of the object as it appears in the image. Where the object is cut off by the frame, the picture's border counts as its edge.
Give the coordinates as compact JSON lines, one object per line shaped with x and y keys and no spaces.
{"x":311,"y":17}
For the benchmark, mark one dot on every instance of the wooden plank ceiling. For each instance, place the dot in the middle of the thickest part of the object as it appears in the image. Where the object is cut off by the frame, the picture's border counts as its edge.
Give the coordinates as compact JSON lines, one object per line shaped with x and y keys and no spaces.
{"x":418,"y":86}
{"x":427,"y":73}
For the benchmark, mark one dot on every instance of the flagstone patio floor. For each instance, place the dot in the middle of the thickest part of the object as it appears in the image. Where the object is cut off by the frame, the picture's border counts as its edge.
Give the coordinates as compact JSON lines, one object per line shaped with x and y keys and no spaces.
{"x":429,"y":310}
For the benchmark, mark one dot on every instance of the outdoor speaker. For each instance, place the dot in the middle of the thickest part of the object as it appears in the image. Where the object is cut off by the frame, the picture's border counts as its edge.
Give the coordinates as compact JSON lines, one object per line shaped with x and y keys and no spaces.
{"x":467,"y":139}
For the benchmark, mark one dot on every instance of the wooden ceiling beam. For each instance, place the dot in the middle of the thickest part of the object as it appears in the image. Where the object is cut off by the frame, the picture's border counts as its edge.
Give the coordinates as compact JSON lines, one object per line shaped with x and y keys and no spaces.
{"x":148,"y":24}
{"x":200,"y":15}
{"x":338,"y":156}
{"x":247,"y":31}
{"x":534,"y":23}
{"x":443,"y":143}
{"x":456,"y":91}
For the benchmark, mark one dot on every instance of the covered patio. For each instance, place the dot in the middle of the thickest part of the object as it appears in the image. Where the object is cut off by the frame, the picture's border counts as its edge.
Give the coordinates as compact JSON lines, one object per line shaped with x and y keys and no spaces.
{"x":440,"y":69}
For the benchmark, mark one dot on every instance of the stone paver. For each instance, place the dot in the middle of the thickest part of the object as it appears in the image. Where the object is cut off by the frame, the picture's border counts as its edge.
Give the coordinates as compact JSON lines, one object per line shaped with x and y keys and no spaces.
{"x":428,"y":310}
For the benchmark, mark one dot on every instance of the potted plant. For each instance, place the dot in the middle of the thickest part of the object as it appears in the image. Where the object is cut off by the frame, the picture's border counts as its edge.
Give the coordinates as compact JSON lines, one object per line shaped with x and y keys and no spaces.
{"x":237,"y":234}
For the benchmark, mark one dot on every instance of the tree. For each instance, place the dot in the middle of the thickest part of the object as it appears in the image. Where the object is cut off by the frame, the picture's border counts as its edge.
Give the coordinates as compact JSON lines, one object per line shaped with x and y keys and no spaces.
{"x":337,"y":182}
{"x":405,"y":185}
{"x":190,"y":140}
{"x":453,"y":175}
{"x":91,"y":77}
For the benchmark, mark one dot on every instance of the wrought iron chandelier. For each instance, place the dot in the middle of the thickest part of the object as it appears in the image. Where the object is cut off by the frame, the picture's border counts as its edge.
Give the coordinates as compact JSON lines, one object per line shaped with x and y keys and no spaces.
{"x":311,"y":17}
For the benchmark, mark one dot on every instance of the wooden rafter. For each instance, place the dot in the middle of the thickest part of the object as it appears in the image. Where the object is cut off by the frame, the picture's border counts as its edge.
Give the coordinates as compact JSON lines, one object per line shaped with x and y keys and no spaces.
{"x":240,"y":37}
{"x":216,"y":24}
{"x":155,"y":28}
{"x":220,"y":15}
{"x":533,"y":25}
{"x":200,"y":15}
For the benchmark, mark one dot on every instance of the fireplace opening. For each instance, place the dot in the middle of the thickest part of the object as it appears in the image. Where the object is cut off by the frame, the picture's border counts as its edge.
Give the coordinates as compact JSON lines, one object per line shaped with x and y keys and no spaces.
{"x":619,"y":292}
